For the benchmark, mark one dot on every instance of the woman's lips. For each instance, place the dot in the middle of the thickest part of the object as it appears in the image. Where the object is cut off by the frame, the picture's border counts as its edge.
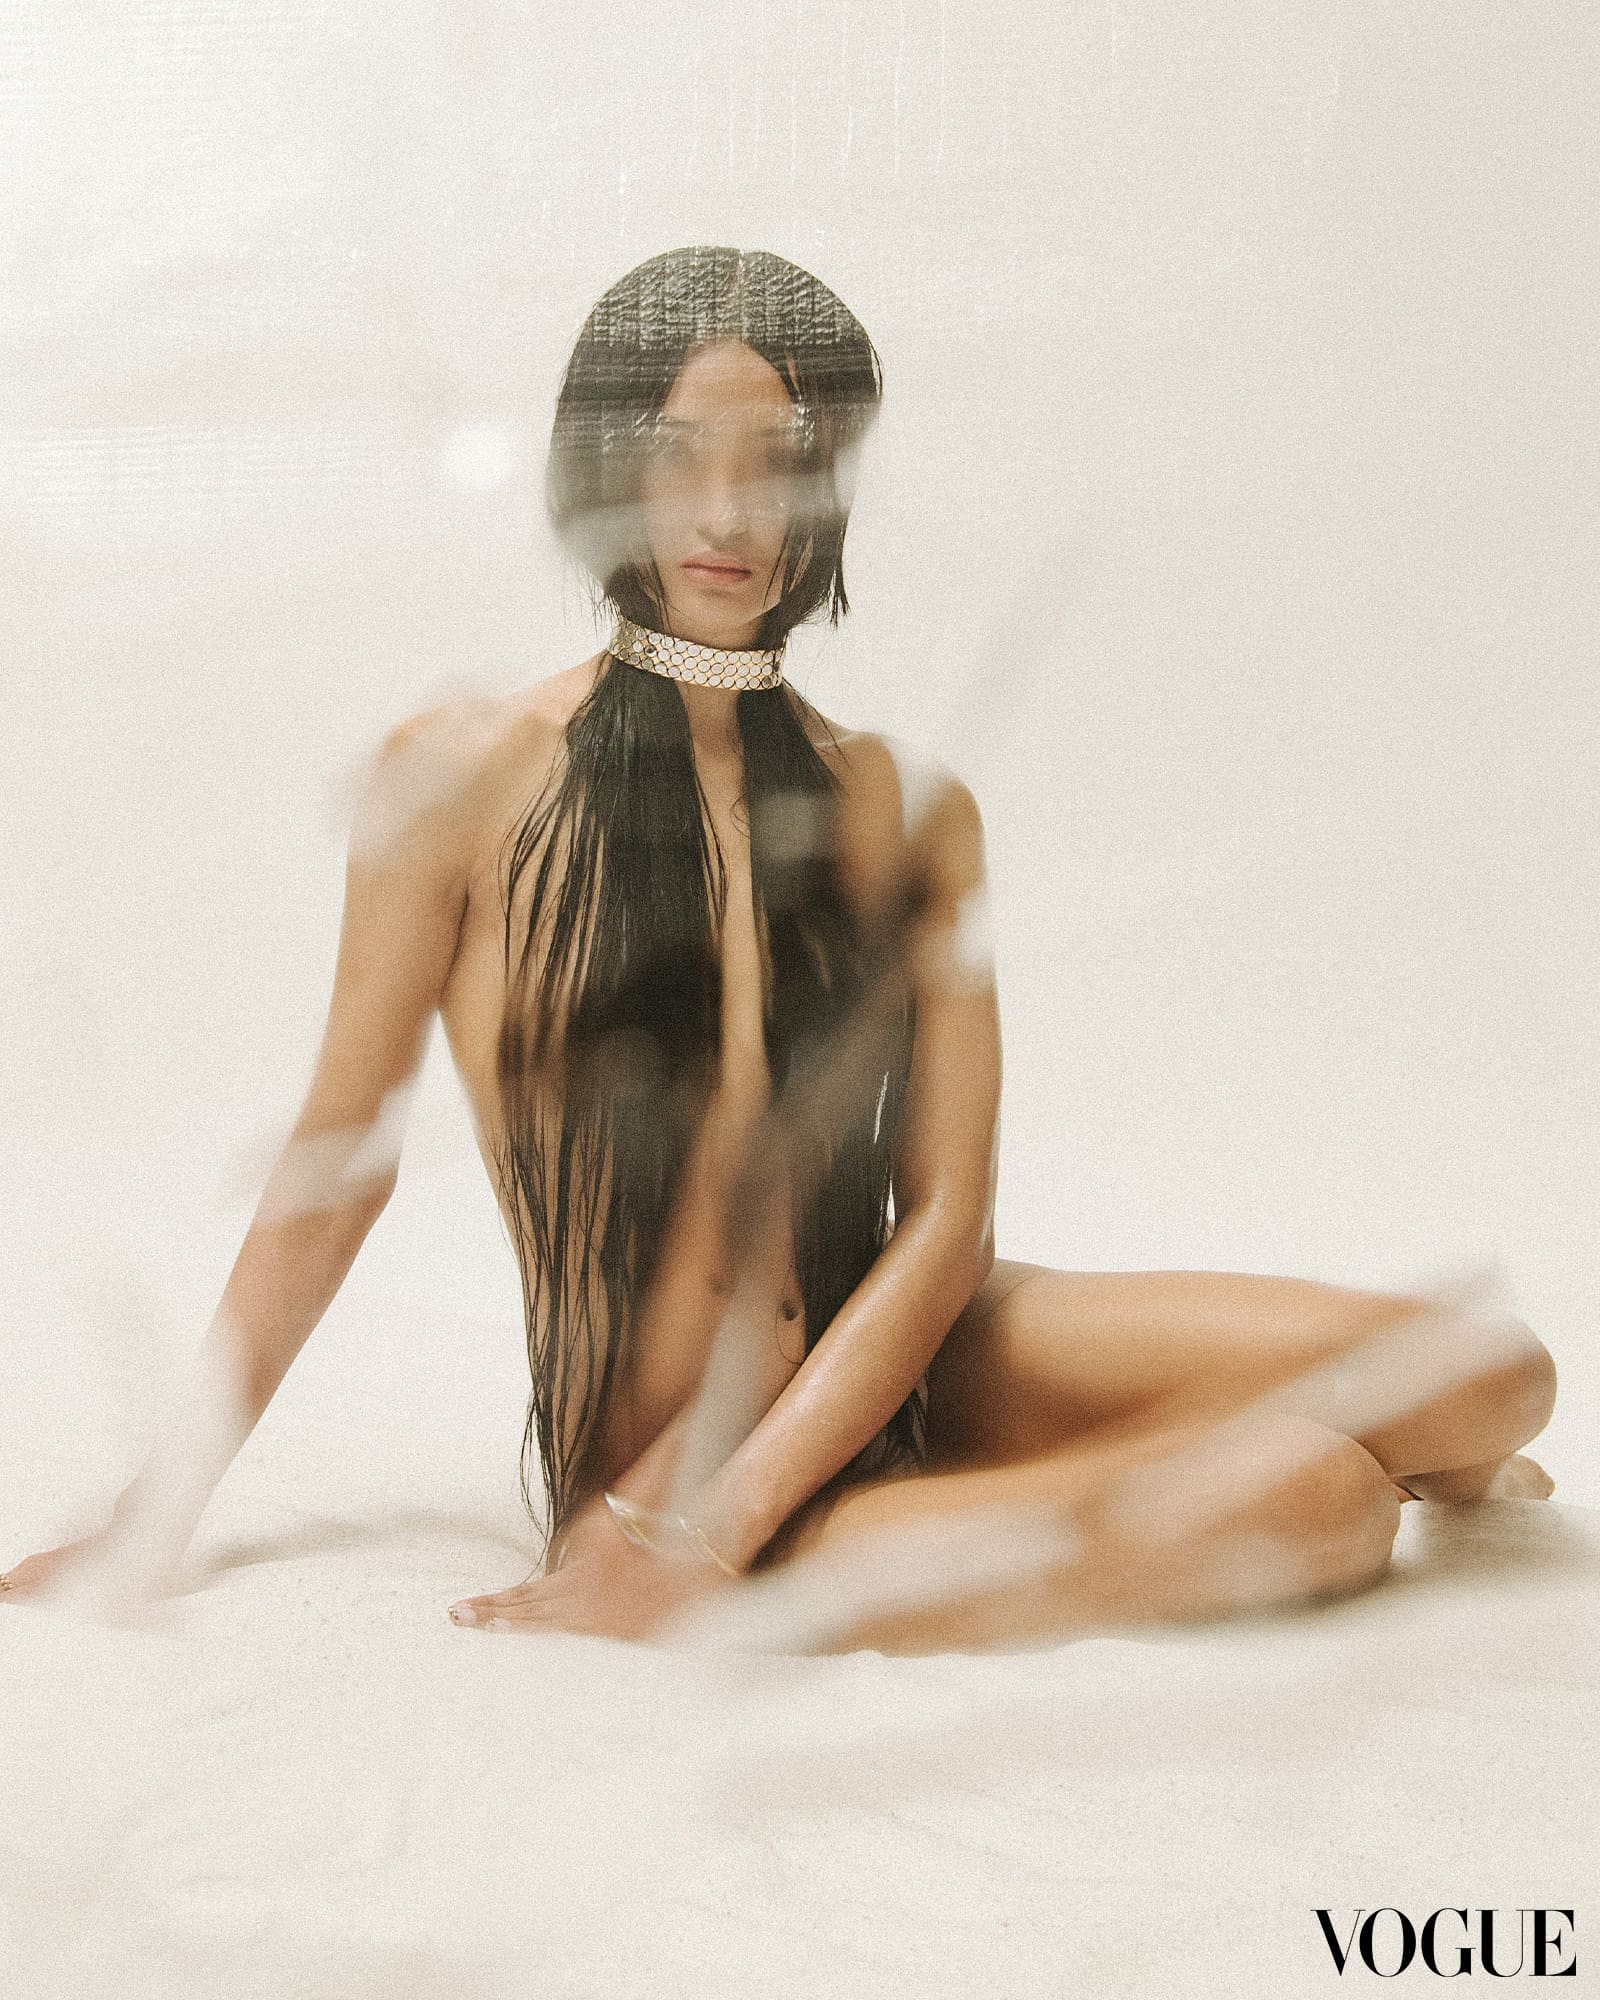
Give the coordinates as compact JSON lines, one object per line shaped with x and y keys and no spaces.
{"x":716,"y":572}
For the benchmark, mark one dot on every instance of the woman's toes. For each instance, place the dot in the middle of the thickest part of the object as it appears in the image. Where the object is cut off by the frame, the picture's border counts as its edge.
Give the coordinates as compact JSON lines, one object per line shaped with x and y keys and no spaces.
{"x":1521,"y":1478}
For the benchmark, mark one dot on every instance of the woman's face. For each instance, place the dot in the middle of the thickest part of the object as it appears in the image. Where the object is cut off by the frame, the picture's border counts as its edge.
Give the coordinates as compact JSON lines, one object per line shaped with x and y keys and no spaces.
{"x":722,"y":481}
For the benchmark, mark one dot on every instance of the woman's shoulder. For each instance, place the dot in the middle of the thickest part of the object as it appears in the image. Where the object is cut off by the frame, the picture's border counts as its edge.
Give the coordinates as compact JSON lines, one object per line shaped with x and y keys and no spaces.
{"x":903,"y":806}
{"x":892,"y":778}
{"x":516,"y":737}
{"x":457,"y":762}
{"x":542,"y":709}
{"x":472,"y":726}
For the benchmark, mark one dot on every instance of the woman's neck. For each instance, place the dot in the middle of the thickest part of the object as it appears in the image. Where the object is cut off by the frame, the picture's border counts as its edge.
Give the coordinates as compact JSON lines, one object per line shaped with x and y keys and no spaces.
{"x":711,"y":710}
{"x":713,"y":719}
{"x":736,"y":636}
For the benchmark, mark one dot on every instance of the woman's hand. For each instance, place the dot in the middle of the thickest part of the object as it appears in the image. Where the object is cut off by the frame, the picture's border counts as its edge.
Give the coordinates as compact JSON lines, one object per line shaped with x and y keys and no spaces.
{"x":605,"y":1585}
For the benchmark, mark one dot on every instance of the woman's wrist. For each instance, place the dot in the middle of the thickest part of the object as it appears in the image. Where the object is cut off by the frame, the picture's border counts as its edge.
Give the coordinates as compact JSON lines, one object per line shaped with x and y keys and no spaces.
{"x":678,"y":1536}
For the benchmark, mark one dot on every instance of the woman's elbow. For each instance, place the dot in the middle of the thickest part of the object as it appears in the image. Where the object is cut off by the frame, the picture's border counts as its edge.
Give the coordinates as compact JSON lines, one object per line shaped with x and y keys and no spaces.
{"x":957,"y":1233}
{"x":983,"y":1262}
{"x":970,"y":1235}
{"x":971,"y":1263}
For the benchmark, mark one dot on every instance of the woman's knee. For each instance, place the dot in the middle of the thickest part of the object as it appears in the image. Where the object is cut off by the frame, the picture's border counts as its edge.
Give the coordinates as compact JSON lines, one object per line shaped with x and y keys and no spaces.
{"x":1500,"y":1400}
{"x":1514,"y":1395}
{"x":1326,"y":1529}
{"x":1527,"y":1385}
{"x":1352,"y":1537}
{"x":1311,"y":1497}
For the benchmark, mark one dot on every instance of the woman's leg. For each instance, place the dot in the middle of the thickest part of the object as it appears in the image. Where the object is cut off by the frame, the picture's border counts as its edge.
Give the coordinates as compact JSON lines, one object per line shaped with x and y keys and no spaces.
{"x":1072,"y":1388}
{"x":1172,"y":1521}
{"x":1041,"y":1358}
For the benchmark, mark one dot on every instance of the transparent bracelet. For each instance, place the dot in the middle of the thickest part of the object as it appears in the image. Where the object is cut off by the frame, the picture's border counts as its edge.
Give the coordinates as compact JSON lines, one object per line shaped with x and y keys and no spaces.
{"x":667,"y":1534}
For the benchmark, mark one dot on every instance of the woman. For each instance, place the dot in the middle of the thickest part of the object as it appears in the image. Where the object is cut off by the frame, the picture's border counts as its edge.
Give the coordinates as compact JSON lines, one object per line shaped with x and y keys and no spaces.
{"x":705,"y":965}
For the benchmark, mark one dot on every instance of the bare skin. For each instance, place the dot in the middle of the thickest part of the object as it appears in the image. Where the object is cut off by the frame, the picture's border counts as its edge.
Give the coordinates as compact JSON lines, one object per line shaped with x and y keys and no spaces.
{"x":1042,"y":1383}
{"x":1048,"y":1382}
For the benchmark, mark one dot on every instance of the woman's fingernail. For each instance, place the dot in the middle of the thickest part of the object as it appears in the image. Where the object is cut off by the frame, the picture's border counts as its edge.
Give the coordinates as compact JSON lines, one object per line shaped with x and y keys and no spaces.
{"x":463,"y":1614}
{"x":498,"y":1625}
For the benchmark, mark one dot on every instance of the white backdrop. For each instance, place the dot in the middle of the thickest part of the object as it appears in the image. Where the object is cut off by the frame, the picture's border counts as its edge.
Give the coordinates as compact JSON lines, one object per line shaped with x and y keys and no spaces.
{"x":1238,"y":439}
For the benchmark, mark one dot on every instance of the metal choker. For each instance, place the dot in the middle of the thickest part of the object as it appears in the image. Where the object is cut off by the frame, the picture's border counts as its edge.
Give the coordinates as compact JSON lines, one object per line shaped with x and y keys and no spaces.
{"x":687,"y":660}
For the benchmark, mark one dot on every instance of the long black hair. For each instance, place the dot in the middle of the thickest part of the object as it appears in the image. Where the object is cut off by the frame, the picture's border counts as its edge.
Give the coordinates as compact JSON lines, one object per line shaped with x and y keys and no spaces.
{"x":608,"y":1048}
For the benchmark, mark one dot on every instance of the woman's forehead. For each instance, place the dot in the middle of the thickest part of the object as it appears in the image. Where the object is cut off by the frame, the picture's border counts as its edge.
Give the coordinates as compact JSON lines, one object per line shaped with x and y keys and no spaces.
{"x":726,"y":374}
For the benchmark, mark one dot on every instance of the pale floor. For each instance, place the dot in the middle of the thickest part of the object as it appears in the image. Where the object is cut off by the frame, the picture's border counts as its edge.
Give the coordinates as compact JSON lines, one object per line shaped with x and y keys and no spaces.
{"x":313,"y":1783}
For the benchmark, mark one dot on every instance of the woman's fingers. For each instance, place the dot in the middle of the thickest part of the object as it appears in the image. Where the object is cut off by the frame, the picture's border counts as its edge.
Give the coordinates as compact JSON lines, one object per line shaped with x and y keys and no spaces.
{"x":32,"y":1571}
{"x":20,"y":1576}
{"x":521,"y":1604}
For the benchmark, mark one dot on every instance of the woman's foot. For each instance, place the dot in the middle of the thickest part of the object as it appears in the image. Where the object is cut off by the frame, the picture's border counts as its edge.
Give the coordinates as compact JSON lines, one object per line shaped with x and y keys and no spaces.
{"x":1515,"y":1478}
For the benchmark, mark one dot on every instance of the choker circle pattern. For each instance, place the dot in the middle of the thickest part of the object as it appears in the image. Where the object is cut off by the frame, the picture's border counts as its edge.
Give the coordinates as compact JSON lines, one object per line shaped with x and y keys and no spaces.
{"x":688,"y":660}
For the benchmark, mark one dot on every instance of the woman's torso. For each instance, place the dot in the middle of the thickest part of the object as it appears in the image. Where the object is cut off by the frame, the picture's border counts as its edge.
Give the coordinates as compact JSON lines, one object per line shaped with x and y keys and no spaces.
{"x":669,"y":1356}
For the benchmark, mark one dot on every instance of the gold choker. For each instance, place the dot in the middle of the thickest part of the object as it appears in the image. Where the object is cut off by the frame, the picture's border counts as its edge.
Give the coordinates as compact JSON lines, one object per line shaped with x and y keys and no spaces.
{"x":688,"y":660}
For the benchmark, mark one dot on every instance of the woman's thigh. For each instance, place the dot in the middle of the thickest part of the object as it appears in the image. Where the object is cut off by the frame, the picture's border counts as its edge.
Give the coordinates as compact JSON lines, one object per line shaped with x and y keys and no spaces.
{"x":1287,"y":1505}
{"x":1041,"y":1357}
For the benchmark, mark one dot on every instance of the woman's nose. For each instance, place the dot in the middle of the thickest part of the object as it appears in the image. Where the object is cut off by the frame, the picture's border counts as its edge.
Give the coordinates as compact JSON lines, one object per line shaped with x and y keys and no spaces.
{"x":724,"y":506}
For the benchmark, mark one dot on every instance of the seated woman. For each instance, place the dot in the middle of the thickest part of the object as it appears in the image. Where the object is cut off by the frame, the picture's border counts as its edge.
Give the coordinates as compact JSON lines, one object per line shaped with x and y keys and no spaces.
{"x":712,"y":971}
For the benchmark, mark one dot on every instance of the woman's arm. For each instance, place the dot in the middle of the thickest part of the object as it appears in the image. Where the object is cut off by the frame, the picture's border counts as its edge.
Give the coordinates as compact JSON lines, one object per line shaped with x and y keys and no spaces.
{"x":405,"y":893}
{"x":875,"y":1351}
